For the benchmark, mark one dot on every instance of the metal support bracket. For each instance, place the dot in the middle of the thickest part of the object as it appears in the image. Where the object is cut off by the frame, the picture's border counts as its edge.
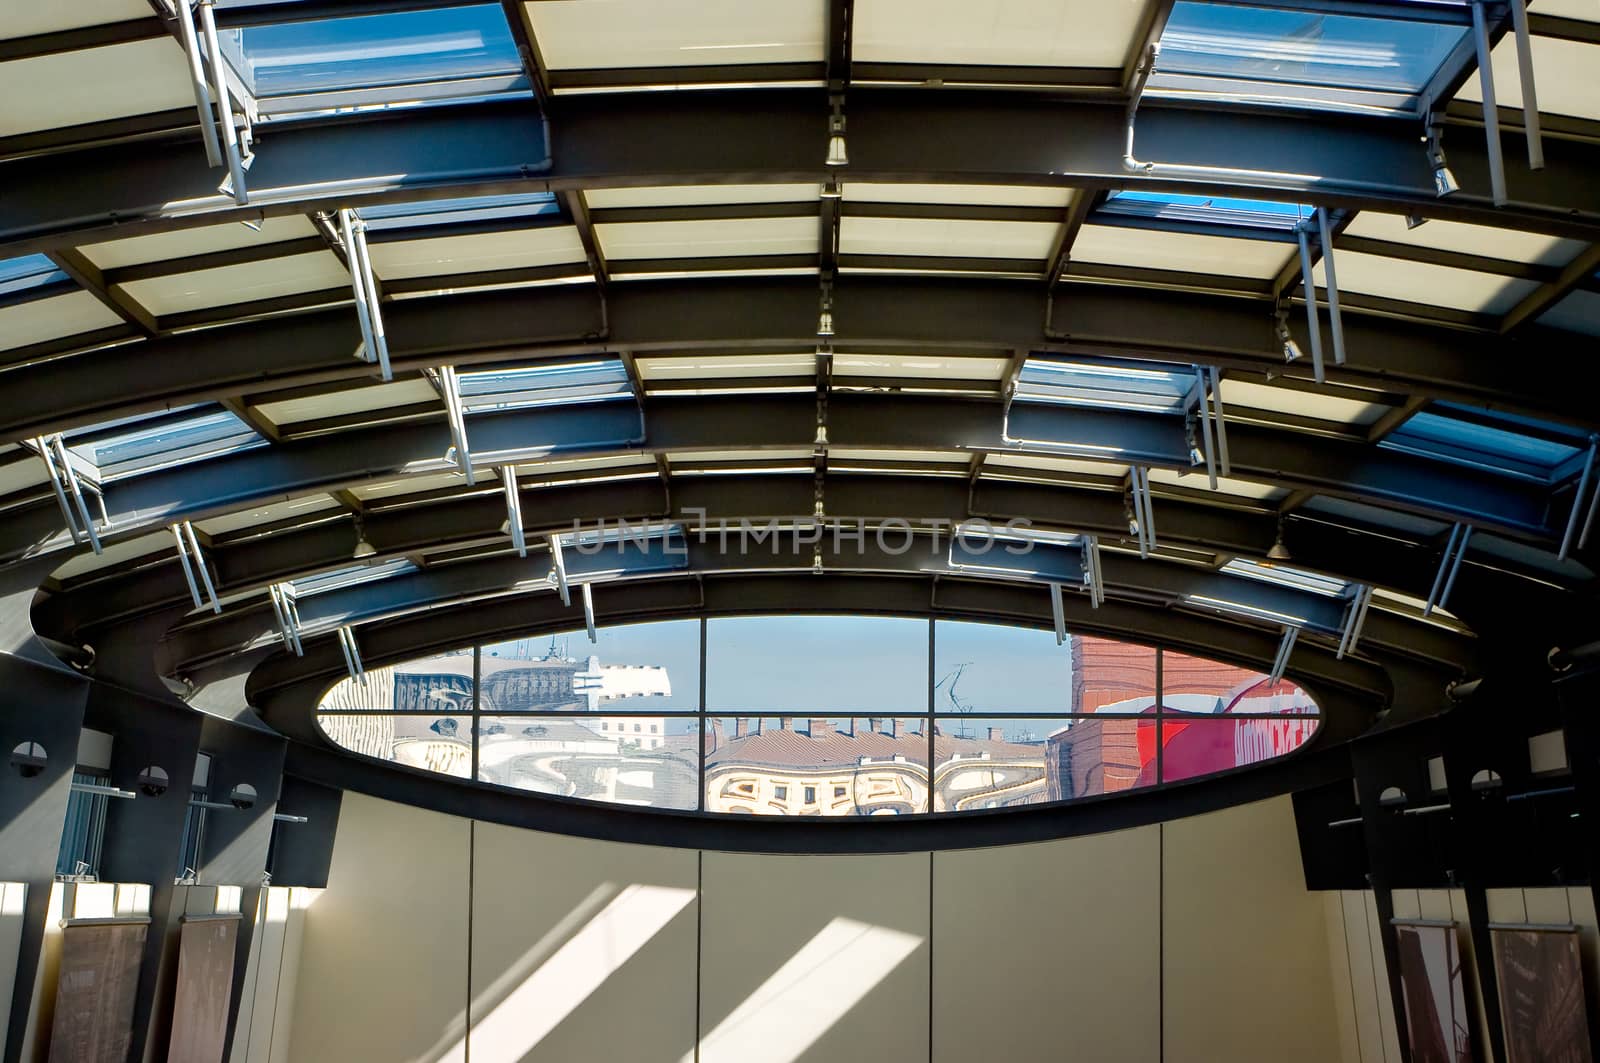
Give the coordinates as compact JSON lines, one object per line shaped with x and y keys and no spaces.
{"x":1355,"y":617}
{"x":194,"y":565}
{"x":1285,"y":649}
{"x":352,"y":655}
{"x":1449,"y":566}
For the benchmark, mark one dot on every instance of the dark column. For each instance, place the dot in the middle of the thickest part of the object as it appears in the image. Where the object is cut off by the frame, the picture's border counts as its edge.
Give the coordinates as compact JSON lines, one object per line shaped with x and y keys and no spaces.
{"x":45,"y":705}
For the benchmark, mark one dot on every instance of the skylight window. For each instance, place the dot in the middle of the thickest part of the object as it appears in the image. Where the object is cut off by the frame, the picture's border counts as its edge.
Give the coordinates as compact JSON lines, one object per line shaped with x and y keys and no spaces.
{"x":1152,"y":390}
{"x":27,"y":273}
{"x":1206,"y":210}
{"x":440,"y":212}
{"x":350,"y":576}
{"x":366,"y":60}
{"x":1485,"y":439}
{"x":146,"y":443}
{"x":560,"y":384}
{"x":1307,"y":58}
{"x":1284,"y":576}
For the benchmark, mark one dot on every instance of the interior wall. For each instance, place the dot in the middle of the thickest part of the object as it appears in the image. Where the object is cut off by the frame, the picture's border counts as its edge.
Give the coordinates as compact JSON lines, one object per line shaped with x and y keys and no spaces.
{"x":266,"y":1008}
{"x":11,"y":921}
{"x":1193,"y":940}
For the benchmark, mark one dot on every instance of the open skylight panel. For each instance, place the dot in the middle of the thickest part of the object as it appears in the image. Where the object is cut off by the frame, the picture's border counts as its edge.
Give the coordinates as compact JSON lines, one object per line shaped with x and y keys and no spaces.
{"x":1245,"y":214}
{"x":597,"y":380}
{"x":146,"y":443}
{"x":1150,"y":390}
{"x":1503,"y":443}
{"x":1284,"y":576}
{"x":372,"y":60}
{"x":28,"y":273}
{"x":1299,"y":58}
{"x":446,"y":212}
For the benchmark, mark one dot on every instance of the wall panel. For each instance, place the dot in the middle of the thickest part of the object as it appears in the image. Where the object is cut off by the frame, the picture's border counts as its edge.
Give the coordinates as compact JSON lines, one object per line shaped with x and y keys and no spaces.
{"x":1050,"y":944}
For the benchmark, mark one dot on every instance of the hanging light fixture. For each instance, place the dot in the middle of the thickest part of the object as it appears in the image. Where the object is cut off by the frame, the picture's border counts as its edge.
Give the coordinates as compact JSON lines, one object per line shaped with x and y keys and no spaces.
{"x":837,"y":155}
{"x":1279,"y":551}
{"x":364,"y":547}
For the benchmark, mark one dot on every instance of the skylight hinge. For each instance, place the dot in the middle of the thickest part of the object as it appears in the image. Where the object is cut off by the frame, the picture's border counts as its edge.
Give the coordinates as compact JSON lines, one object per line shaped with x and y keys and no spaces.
{"x":363,"y":284}
{"x":1291,"y":349}
{"x":1355,"y":617}
{"x":288,"y":616}
{"x":69,"y":491}
{"x":1093,"y":577}
{"x":352,"y":655}
{"x":1449,"y":566}
{"x":513,"y":527}
{"x":1584,"y":483}
{"x":455,"y":413}
{"x":1285,"y":649}
{"x":193,"y":560}
{"x":1141,"y":504}
{"x":233,"y":147}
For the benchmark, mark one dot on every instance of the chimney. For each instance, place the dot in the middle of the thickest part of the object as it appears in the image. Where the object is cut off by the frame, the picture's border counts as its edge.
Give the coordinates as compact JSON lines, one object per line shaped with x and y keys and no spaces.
{"x":894,"y":726}
{"x":874,"y":724}
{"x":821,"y":728}
{"x":785,"y":723}
{"x":713,"y":741}
{"x":738,"y":727}
{"x":997,"y":734}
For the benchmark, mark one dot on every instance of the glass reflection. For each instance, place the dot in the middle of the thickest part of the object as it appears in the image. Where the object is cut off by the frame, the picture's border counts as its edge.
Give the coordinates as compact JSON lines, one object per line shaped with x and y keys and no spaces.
{"x":1194,"y":685}
{"x":990,"y":763}
{"x":817,"y":766}
{"x":441,"y":744}
{"x":634,"y":667}
{"x":1195,"y":747}
{"x":817,"y":664}
{"x":632,"y":760}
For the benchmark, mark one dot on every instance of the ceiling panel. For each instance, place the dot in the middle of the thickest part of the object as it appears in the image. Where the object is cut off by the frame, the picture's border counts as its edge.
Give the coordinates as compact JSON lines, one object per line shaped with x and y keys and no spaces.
{"x":1507,"y":244}
{"x":1196,"y":479}
{"x":607,"y":34}
{"x":181,"y":243}
{"x":1116,"y":245}
{"x":397,"y":260}
{"x":1564,"y":73}
{"x":698,"y":195}
{"x":268,"y":514}
{"x":947,"y":237}
{"x":1057,"y":33}
{"x":1418,"y":282}
{"x":353,"y":400}
{"x":25,"y":18}
{"x":711,"y":238}
{"x":241,"y":283}
{"x":995,"y":461}
{"x":981,"y":195}
{"x":1579,"y":312}
{"x":1301,"y":403}
{"x":723,"y":366}
{"x":410,"y":485}
{"x":48,"y":319}
{"x":93,"y":85}
{"x":941,"y":367}
{"x":116,"y":553}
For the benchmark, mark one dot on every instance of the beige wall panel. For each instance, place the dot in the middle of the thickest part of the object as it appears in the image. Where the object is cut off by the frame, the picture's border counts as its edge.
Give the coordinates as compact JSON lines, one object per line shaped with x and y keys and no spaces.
{"x":1386,"y":1024}
{"x":1246,"y":948}
{"x":11,"y":921}
{"x":1032,"y":940}
{"x":384,"y":970}
{"x":815,"y":959}
{"x":581,"y":949}
{"x":1344,"y":1002}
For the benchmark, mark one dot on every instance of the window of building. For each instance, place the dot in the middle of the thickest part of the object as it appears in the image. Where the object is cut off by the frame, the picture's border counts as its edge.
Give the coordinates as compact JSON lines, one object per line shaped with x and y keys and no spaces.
{"x":83,"y":833}
{"x":780,"y":793}
{"x":554,"y":384}
{"x":839,"y":791}
{"x":364,"y":61}
{"x":1383,"y":59}
{"x":811,"y":795}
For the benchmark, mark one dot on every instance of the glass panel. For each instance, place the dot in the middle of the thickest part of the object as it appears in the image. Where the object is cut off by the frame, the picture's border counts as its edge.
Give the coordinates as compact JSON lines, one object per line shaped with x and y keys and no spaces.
{"x":28,"y":272}
{"x":368,"y":51}
{"x":633,"y":668}
{"x":1111,"y":677}
{"x":545,"y":385}
{"x":83,"y":832}
{"x":807,"y":664}
{"x":1287,"y":55}
{"x":455,"y":211}
{"x":989,"y":763}
{"x":1210,"y":210}
{"x":631,"y":760}
{"x":144,"y":444}
{"x":861,"y":766}
{"x":441,"y":744}
{"x":1153,"y":390}
{"x":1284,"y":576}
{"x":1092,"y":757}
{"x":999,"y":668}
{"x":1195,"y":747}
{"x":323,"y":582}
{"x":1486,"y":439}
{"x":1197,"y":685}
{"x":432,"y":684}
